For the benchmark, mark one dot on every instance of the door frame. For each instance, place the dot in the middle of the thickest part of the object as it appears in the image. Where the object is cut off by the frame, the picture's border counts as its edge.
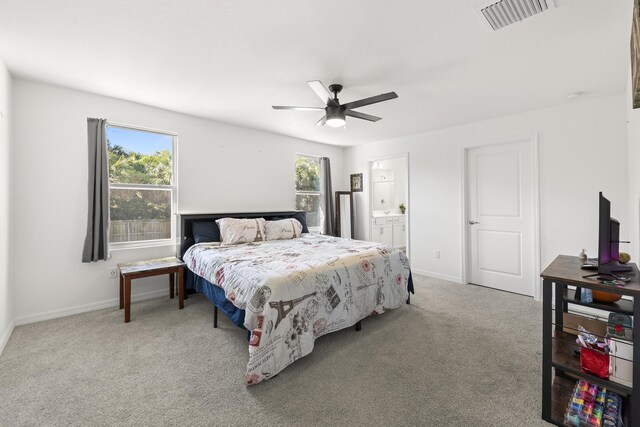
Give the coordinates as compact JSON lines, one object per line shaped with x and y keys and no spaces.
{"x":370,"y":163}
{"x":465,"y":256}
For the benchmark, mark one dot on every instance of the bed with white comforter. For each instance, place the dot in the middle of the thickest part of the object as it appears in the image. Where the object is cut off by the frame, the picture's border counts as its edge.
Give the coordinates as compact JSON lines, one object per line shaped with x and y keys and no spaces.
{"x":294,"y":291}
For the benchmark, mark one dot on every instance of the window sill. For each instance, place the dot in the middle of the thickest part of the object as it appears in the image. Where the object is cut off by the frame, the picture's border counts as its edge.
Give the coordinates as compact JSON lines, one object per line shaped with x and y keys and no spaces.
{"x":116,"y":247}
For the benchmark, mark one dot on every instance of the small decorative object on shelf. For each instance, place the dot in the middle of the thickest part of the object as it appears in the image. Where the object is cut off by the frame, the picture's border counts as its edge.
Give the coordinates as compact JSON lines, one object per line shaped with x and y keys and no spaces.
{"x":582,"y":256}
{"x":586,"y":295}
{"x":605,"y":297}
{"x":624,"y":257}
{"x":403,"y":208}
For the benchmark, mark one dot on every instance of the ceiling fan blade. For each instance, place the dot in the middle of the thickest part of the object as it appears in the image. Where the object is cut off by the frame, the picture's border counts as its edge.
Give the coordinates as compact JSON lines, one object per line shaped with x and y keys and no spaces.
{"x":322,"y":121}
{"x":322,"y":92}
{"x":362,"y":116}
{"x":282,"y":107}
{"x":371,"y":100}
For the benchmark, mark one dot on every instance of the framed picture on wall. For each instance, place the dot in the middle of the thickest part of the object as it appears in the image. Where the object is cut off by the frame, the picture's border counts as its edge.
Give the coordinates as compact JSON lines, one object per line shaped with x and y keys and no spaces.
{"x":356,"y":182}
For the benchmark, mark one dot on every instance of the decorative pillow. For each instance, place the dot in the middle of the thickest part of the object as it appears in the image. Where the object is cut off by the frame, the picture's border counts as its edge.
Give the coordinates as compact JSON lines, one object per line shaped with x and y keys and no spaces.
{"x":283,"y":229}
{"x":205,"y":231}
{"x":302,"y":217}
{"x":234,"y":231}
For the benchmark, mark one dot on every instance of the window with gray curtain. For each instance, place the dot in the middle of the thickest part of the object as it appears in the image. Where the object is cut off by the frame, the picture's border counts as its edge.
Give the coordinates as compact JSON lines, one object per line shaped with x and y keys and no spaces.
{"x":313,"y":192}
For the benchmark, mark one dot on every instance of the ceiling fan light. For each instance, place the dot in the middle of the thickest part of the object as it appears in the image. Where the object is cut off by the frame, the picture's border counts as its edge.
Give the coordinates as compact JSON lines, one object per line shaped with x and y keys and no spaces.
{"x":335,"y":116}
{"x":335,"y":122}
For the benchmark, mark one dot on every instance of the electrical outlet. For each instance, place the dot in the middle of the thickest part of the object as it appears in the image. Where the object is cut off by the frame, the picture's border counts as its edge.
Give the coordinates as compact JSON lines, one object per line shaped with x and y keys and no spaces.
{"x":436,"y":254}
{"x":113,"y":273}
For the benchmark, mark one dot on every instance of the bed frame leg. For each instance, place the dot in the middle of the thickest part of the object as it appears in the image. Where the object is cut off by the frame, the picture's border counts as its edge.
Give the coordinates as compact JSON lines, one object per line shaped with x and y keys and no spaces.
{"x":358,"y":326}
{"x":409,"y":299}
{"x":215,"y":316}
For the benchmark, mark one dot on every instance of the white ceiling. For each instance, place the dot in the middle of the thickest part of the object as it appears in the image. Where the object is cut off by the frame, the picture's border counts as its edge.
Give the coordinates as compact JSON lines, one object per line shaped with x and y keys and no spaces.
{"x":231,"y":60}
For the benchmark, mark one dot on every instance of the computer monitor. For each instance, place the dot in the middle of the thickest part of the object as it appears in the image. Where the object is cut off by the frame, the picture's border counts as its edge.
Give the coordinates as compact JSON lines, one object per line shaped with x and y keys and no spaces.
{"x":609,"y":241}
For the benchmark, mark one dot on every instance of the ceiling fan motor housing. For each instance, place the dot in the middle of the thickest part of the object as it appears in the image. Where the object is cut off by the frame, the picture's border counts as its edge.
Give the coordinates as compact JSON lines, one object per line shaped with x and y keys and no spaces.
{"x":335,"y":115}
{"x":334,"y":111}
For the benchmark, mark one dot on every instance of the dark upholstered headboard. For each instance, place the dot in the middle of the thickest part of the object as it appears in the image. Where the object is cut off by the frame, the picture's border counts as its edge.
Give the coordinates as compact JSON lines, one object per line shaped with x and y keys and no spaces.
{"x":187,"y":220}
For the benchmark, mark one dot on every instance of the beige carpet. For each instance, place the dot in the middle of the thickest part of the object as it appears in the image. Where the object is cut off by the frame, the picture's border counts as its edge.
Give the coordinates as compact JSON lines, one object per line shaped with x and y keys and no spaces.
{"x":458,"y":355}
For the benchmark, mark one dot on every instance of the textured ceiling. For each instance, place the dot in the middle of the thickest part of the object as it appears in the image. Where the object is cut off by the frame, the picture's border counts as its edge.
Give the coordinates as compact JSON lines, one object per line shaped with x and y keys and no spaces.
{"x":231,"y":60}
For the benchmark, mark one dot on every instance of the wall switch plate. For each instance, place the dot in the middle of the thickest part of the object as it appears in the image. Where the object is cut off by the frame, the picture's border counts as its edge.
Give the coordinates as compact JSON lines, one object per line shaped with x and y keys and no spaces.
{"x":436,"y":254}
{"x":113,"y":273}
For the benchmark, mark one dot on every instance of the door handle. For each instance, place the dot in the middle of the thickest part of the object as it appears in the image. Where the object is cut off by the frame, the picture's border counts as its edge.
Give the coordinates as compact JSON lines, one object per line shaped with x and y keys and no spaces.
{"x":472,"y":222}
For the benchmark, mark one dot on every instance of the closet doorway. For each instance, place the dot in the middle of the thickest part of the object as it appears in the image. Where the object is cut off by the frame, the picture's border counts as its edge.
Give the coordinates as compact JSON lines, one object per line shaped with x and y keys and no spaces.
{"x":389,"y":206}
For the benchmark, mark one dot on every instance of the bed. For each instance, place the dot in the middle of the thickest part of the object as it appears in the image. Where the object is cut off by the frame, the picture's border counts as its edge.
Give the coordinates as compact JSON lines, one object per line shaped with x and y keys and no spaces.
{"x":286,"y":293}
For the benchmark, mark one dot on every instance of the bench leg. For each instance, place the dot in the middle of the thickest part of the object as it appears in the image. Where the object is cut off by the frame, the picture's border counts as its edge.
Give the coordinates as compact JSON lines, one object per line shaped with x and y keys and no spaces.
{"x":121,"y":292}
{"x":215,"y":316}
{"x":358,"y":326}
{"x":172,"y":285}
{"x":127,"y":299}
{"x":180,"y":288}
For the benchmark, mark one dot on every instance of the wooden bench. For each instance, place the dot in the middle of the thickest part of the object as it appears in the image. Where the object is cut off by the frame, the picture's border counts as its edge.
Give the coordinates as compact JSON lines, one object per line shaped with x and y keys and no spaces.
{"x":148,"y":268}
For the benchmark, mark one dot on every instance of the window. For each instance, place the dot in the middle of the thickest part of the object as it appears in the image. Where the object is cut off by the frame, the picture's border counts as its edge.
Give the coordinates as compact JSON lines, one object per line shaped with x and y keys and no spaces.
{"x":142,"y":185}
{"x":308,"y":190}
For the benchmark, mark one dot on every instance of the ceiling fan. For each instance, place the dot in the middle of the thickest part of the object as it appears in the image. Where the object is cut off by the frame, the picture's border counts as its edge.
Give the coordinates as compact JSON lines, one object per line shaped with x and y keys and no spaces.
{"x":334,"y":112}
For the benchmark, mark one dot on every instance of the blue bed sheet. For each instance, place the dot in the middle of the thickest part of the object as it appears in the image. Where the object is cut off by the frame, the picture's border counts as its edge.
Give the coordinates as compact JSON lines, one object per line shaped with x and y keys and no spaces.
{"x":215,"y":294}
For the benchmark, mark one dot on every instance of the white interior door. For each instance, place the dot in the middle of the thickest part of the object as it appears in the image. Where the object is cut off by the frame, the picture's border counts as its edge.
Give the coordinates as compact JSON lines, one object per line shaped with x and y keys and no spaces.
{"x":500,"y":216}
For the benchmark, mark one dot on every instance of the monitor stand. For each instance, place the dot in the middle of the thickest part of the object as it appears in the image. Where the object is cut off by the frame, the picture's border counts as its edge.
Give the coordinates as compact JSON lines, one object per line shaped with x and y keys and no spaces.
{"x":614,"y":267}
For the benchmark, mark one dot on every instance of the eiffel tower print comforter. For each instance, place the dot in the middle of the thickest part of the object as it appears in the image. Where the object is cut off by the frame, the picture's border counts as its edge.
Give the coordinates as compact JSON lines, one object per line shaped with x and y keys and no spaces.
{"x":294,"y":291}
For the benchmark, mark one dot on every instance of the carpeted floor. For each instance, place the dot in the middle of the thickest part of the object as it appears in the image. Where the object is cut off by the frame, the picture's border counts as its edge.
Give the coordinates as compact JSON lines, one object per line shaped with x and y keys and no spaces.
{"x":457,"y":356}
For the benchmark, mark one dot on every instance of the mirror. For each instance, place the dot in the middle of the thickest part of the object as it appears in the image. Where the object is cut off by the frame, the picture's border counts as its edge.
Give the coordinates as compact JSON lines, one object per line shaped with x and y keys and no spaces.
{"x":383,"y":196}
{"x":344,"y":214}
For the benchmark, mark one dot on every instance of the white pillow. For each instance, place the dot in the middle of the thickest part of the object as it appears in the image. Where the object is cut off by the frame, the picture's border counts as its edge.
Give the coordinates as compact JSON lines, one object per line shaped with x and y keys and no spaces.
{"x":234,"y":231}
{"x":283,"y":229}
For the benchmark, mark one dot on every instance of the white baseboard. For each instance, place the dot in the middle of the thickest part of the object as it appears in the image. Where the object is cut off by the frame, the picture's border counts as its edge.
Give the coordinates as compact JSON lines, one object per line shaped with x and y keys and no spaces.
{"x":453,"y":279}
{"x":6,"y":336}
{"x":113,"y":302}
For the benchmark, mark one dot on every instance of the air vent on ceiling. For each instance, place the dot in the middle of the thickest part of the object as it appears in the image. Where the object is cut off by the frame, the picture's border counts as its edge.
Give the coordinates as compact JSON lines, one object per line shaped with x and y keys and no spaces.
{"x":507,"y":12}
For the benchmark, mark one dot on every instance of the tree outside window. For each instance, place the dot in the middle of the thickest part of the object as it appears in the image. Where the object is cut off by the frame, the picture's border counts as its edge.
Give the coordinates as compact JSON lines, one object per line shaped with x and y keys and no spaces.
{"x":308,"y":190}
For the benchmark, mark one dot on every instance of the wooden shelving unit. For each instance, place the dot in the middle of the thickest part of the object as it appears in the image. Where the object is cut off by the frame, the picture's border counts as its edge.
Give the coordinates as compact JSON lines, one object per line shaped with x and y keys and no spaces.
{"x":560,"y":366}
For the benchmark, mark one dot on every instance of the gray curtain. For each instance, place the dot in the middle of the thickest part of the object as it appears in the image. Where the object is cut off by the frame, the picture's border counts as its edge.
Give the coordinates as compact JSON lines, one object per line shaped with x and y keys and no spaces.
{"x":326,"y":196}
{"x":95,"y":244}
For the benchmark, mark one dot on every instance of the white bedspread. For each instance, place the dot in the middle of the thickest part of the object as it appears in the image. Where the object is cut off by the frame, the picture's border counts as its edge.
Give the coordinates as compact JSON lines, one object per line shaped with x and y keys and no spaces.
{"x":296,"y":290}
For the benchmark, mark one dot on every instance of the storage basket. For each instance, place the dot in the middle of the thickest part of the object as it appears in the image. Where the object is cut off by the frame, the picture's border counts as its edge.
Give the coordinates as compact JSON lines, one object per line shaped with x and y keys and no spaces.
{"x":620,"y":326}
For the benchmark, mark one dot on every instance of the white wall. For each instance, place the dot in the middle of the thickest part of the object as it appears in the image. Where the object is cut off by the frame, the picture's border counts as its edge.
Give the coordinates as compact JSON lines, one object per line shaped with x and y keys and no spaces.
{"x":582,"y":150}
{"x":221,"y":168}
{"x":6,"y":286}
{"x":227,"y":168}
